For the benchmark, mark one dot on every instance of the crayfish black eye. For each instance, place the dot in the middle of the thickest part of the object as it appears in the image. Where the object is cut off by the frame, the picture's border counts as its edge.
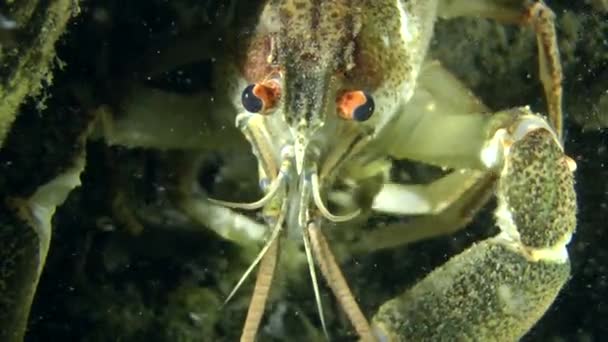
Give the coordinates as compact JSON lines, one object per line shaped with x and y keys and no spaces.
{"x":251,"y":102}
{"x":356,"y":105}
{"x":365,"y":110}
{"x":261,"y":97}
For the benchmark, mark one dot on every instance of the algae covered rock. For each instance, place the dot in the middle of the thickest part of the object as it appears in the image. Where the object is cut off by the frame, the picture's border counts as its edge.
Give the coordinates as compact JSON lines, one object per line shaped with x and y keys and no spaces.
{"x":27,"y":50}
{"x":29,"y":31}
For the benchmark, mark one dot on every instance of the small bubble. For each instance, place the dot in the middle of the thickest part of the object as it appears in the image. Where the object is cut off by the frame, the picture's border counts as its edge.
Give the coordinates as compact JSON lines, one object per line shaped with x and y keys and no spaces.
{"x":6,"y":23}
{"x":105,"y":224}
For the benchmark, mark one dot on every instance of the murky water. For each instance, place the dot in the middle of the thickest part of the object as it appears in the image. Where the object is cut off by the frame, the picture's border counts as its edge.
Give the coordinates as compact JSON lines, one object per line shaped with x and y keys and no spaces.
{"x":127,"y":262}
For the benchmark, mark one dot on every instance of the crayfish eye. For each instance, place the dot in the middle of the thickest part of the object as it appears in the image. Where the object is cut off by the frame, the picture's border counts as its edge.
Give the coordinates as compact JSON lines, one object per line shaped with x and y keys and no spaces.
{"x":356,"y":105}
{"x":251,"y":103}
{"x":261,"y":97}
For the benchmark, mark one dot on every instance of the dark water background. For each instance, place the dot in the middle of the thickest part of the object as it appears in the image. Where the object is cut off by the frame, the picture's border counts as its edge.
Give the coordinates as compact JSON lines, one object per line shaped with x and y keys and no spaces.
{"x":104,"y":282}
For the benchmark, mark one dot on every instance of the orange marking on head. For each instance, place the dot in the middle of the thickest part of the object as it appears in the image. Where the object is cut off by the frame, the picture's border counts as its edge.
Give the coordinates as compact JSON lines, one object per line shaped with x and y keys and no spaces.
{"x":349,"y":101}
{"x":268,"y":92}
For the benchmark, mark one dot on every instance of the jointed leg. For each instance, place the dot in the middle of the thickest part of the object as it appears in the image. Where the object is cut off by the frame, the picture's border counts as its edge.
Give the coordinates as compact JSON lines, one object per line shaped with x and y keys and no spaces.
{"x":527,"y":12}
{"x":462,"y":128}
{"x":450,"y":203}
{"x":151,"y":118}
{"x":227,"y":223}
{"x":443,"y":125}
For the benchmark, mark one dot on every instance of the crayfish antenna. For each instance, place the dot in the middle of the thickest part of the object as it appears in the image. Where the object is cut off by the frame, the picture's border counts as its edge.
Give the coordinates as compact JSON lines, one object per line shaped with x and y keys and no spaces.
{"x":272,"y":190}
{"x":315,"y":283}
{"x":335,"y":279}
{"x":273,"y":236}
{"x":316,"y":195}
